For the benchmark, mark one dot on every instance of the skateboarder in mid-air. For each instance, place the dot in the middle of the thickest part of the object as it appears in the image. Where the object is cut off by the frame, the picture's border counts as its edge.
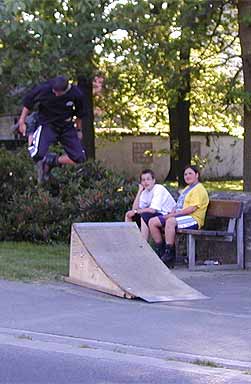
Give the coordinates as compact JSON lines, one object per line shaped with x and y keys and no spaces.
{"x":58,"y":104}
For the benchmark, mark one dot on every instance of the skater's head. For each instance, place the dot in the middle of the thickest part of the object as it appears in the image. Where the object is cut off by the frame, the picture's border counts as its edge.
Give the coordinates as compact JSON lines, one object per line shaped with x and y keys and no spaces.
{"x":60,"y":85}
{"x":147,"y":179}
{"x":191,"y":174}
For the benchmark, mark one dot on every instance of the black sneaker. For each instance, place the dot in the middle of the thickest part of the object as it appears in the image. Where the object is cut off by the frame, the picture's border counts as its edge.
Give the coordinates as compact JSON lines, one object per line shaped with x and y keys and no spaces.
{"x":168,"y":257}
{"x":45,"y":166}
{"x":50,"y":161}
{"x":160,"y":249}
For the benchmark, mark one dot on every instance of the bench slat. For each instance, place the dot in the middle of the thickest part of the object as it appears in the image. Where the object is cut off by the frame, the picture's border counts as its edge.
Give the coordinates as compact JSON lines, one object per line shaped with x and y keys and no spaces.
{"x":196,"y":232}
{"x":201,"y":232}
{"x":225,"y":208}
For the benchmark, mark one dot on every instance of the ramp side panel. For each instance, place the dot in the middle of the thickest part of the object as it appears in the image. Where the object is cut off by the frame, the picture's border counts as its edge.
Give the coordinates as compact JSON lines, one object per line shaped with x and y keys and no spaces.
{"x":131,"y":263}
{"x":85,"y":271}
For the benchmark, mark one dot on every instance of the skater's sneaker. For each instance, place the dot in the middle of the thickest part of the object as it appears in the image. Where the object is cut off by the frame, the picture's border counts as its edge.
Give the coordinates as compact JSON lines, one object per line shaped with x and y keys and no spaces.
{"x":45,"y":166}
{"x":50,"y":161}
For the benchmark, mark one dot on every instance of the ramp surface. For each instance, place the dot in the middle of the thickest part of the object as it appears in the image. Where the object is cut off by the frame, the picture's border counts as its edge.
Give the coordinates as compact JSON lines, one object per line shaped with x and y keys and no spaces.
{"x":114,"y":258}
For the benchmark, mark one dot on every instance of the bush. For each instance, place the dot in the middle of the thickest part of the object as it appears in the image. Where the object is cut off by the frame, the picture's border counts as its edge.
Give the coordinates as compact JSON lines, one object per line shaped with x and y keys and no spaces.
{"x":108,"y":201}
{"x":45,"y":213}
{"x":36,"y":217}
{"x":16,"y":173}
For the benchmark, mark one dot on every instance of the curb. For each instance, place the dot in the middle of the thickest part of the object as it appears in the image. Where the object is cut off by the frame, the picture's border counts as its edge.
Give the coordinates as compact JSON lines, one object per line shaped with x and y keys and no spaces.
{"x":200,"y":360}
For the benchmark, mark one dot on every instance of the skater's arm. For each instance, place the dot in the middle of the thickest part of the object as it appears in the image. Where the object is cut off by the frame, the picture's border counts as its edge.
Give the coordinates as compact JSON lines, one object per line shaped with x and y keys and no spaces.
{"x":21,"y":122}
{"x":30,"y":99}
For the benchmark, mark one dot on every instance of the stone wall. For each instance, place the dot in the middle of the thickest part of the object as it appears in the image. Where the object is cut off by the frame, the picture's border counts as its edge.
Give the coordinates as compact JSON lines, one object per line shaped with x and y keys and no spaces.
{"x":222,"y":154}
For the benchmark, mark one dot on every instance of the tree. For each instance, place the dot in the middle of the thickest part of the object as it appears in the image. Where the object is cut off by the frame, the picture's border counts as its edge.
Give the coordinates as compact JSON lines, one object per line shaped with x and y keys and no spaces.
{"x":175,"y":43}
{"x":244,"y":13}
{"x":168,"y":60}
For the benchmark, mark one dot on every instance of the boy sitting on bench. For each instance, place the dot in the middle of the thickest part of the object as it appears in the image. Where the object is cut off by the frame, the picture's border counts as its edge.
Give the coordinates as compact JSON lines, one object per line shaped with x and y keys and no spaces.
{"x":189,"y":213}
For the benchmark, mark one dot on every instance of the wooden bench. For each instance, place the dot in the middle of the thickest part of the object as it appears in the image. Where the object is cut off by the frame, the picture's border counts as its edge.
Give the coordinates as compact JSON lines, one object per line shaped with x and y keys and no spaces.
{"x":231,"y":210}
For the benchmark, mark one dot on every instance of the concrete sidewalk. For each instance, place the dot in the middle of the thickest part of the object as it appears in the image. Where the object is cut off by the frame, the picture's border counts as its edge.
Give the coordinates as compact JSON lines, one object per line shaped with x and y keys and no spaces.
{"x":216,"y":330}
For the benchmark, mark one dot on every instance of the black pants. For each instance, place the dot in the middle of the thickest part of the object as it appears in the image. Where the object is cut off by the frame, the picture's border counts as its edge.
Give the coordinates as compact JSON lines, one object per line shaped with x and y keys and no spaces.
{"x":137,"y":219}
{"x":146,"y":216}
{"x":46,"y":135}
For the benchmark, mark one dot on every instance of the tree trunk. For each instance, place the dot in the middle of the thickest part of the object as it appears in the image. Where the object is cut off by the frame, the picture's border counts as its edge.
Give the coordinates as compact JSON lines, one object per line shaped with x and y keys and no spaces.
{"x":85,"y":84}
{"x":174,"y":140}
{"x":244,"y":11}
{"x":180,"y":140}
{"x":179,"y":119}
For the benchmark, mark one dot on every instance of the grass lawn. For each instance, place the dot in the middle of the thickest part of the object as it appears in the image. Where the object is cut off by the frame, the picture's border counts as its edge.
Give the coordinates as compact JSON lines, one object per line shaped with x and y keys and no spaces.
{"x":33,"y":262}
{"x":222,"y":185}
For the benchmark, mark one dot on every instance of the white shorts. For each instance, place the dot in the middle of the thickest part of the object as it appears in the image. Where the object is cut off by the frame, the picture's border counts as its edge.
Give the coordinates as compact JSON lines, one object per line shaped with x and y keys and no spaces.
{"x":186,"y":222}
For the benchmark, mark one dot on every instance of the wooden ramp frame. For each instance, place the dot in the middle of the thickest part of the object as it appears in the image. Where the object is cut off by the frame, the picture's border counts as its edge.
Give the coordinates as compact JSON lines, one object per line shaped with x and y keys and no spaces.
{"x":114,"y":258}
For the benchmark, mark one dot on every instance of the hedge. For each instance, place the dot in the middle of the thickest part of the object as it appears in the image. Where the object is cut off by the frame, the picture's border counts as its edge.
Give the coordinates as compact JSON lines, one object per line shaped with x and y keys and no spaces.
{"x":44,"y":213}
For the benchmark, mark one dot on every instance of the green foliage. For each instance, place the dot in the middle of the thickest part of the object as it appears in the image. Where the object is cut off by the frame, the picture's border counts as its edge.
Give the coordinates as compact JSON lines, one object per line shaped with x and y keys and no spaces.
{"x":147,"y":73}
{"x":109,"y":201}
{"x":35,"y":213}
{"x":37,"y":216}
{"x":16,"y":173}
{"x":167,"y":42}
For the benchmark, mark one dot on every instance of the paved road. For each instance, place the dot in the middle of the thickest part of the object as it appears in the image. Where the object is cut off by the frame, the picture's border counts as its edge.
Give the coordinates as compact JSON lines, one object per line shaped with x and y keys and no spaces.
{"x":24,"y":361}
{"x":65,"y":327}
{"x":216,"y":328}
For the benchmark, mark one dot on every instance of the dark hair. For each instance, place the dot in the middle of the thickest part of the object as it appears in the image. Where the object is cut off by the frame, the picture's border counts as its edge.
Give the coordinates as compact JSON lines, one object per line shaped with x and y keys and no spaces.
{"x":148,"y":171}
{"x":194,"y":168}
{"x":59,"y":83}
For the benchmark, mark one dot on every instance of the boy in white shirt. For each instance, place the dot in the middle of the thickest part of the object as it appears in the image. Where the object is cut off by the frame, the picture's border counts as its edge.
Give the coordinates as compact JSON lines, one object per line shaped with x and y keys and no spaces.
{"x":151,"y":200}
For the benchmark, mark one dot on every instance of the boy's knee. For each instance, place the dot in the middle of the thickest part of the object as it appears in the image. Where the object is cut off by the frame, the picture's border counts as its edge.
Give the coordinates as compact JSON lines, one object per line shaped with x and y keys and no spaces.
{"x":170,"y":222}
{"x":154,"y":222}
{"x":81,"y":158}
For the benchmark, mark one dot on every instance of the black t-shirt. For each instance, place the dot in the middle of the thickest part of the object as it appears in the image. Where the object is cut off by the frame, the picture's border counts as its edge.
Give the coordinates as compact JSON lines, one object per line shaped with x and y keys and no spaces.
{"x":58,"y":110}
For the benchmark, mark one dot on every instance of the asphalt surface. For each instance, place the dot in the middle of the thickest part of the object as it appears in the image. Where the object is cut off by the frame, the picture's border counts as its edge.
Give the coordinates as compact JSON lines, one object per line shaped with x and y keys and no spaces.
{"x":209,"y":335}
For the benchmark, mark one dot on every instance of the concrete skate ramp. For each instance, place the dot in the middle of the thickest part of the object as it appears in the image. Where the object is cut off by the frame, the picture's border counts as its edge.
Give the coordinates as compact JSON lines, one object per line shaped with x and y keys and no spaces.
{"x":114,"y":258}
